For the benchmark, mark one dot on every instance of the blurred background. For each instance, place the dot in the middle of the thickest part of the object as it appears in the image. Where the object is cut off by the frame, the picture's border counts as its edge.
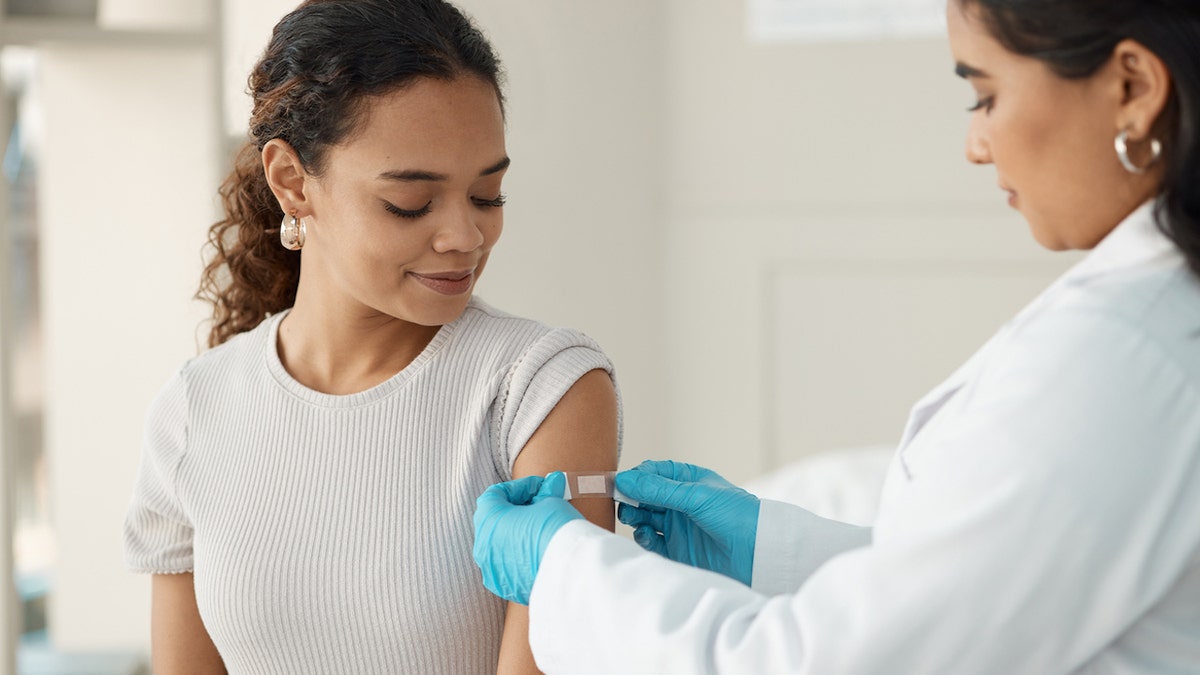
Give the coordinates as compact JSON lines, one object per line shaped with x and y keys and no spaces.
{"x":760,"y":208}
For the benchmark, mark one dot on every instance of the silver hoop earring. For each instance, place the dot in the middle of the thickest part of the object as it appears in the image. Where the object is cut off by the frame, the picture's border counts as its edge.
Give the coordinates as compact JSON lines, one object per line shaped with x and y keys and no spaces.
{"x":1122,"y":146}
{"x":291,"y":233}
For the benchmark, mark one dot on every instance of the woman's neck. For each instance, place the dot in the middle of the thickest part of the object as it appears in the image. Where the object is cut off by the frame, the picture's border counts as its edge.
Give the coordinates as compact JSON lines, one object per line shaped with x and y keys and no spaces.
{"x":345,"y":348}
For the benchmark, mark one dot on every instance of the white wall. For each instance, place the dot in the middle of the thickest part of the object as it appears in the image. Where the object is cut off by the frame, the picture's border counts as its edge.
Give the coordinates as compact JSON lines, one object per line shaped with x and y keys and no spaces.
{"x":245,"y":29}
{"x":813,"y":190}
{"x":155,"y":14}
{"x":127,"y":177}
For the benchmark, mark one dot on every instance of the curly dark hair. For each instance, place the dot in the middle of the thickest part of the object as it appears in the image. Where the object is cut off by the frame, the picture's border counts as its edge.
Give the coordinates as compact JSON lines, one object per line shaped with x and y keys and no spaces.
{"x":1075,"y":37}
{"x":323,"y":60}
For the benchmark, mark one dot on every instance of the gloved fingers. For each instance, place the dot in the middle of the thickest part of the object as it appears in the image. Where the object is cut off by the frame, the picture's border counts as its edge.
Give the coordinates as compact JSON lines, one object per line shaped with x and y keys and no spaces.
{"x":514,"y":492}
{"x":655,"y":491}
{"x":636,"y":517}
{"x":501,"y":585}
{"x":629,"y":515}
{"x":680,"y":471}
{"x":486,"y":505}
{"x":553,"y":485}
{"x":650,"y":540}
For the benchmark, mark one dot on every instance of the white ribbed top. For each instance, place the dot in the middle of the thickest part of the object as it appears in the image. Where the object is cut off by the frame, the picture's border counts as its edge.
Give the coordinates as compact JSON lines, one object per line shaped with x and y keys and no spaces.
{"x":332,"y":534}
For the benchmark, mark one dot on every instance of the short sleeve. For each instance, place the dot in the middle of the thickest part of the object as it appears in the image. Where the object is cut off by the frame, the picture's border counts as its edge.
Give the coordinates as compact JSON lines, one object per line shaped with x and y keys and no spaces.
{"x":158,"y":534}
{"x":535,"y":383}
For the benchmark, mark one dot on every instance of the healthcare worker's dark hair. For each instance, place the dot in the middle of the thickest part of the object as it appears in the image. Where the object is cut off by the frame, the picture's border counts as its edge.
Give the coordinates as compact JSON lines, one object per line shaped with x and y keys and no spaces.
{"x":324,"y":61}
{"x":1076,"y":37}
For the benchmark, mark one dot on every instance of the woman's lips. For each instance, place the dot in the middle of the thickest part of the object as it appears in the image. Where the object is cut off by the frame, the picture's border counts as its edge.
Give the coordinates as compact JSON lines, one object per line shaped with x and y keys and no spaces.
{"x":446,"y":283}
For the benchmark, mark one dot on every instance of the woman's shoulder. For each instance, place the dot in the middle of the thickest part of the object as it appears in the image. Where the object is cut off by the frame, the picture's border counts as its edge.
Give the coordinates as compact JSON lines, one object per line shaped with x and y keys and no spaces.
{"x":225,"y":361}
{"x":482,"y":315}
{"x":485,"y":326}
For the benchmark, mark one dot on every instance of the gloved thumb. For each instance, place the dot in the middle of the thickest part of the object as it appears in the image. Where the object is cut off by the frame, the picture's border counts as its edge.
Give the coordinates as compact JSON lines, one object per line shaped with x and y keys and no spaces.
{"x":657,"y":491}
{"x":517,"y":492}
{"x":554,"y":485}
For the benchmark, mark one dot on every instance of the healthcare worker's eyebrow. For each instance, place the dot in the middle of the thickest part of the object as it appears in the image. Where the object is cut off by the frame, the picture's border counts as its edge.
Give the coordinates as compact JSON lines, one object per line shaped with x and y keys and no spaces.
{"x":964,"y":71}
{"x":415,"y":175}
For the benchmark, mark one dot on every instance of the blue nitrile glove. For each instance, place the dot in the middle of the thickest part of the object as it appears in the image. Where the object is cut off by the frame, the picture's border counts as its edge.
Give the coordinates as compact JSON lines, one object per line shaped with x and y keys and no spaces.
{"x":691,"y":515}
{"x":514,"y":523}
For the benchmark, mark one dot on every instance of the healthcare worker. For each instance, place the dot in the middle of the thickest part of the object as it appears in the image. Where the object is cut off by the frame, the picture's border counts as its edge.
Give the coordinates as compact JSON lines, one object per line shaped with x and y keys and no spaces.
{"x":1042,"y":514}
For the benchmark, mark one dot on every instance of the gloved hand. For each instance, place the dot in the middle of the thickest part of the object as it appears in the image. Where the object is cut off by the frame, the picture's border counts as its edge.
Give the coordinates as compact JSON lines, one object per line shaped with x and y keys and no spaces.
{"x":514,"y":523}
{"x":691,"y":515}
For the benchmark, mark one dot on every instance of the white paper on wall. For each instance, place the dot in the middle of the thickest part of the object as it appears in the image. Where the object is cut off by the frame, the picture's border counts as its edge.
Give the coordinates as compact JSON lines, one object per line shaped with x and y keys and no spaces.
{"x":843,"y":20}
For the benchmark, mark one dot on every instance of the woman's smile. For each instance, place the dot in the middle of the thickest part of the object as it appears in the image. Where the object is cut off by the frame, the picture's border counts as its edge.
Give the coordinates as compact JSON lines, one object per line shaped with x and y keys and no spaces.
{"x":446,"y":283}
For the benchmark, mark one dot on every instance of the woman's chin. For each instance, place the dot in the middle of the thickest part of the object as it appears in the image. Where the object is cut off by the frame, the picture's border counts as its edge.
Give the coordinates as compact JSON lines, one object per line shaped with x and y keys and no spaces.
{"x":445,"y":312}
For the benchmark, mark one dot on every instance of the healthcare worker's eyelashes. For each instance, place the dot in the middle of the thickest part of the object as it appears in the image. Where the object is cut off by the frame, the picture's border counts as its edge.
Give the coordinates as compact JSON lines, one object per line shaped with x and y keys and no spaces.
{"x":971,"y":73}
{"x":983,"y":104}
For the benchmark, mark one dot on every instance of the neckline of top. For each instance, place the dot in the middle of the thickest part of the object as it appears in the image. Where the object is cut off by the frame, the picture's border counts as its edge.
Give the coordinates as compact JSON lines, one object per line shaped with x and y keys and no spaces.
{"x":367,"y":396}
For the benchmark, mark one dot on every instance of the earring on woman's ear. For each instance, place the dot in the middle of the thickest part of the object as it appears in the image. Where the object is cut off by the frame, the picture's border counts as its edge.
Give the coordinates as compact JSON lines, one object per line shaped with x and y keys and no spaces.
{"x":1122,"y":146}
{"x":291,"y":233}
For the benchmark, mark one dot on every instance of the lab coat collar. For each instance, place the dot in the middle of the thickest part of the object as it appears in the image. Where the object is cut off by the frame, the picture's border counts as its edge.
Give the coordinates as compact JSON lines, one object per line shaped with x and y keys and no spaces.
{"x":1134,"y":242}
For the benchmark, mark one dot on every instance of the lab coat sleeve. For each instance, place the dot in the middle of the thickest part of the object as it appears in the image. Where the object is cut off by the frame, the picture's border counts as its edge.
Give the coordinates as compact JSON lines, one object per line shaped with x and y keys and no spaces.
{"x":1055,"y":507}
{"x":792,"y":542}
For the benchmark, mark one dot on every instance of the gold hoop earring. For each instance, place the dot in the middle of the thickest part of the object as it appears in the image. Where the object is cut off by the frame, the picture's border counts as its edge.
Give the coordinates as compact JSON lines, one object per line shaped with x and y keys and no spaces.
{"x":1122,"y":146}
{"x":291,"y":233}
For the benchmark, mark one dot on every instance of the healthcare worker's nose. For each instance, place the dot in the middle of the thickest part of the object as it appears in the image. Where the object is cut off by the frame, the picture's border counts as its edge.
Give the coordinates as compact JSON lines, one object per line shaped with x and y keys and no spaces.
{"x":978,"y":151}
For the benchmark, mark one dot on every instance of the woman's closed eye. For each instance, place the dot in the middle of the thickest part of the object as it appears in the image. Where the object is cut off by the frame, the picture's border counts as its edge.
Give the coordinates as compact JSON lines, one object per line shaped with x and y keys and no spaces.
{"x":406,"y":213}
{"x":493,"y":203}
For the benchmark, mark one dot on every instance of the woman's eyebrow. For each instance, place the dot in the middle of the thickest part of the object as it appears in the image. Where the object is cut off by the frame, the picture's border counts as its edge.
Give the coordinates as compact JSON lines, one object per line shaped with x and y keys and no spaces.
{"x":496,"y":168}
{"x":415,"y":175}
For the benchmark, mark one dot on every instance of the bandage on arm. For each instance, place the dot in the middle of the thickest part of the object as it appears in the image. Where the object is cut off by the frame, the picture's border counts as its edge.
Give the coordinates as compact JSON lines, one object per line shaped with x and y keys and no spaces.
{"x":594,"y":485}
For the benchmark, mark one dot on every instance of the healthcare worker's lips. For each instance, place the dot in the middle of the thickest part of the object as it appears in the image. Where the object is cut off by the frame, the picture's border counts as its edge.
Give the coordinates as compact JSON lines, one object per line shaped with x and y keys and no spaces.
{"x":1012,"y":196}
{"x":447,"y":283}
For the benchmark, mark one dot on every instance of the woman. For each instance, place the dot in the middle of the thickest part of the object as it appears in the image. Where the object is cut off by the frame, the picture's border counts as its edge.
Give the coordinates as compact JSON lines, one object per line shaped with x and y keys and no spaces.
{"x":306,"y":486}
{"x":1042,"y":514}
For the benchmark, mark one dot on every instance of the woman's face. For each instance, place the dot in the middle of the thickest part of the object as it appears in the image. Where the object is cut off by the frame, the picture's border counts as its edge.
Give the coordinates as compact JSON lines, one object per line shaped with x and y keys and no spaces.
{"x":406,"y":211}
{"x":1050,"y":139}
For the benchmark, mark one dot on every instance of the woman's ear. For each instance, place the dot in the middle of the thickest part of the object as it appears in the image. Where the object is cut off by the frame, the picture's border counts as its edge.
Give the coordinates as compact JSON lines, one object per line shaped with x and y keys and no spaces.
{"x":285,"y":174}
{"x":1147,"y":87}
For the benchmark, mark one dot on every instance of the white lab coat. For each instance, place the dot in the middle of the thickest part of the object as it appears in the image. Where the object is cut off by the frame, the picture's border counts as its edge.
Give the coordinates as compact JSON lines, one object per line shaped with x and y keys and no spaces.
{"x":1042,"y":516}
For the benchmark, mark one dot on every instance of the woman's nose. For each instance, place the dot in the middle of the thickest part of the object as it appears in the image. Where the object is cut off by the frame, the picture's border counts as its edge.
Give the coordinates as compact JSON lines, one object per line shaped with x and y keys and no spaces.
{"x":459,"y":232}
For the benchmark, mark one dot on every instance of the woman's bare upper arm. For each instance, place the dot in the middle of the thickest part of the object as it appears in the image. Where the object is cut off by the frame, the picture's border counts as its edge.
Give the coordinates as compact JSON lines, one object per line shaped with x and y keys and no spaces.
{"x":579,"y":434}
{"x":179,"y":642}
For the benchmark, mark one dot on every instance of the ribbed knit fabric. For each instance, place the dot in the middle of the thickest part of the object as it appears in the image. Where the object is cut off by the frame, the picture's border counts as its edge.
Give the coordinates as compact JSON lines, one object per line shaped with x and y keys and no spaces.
{"x":332,"y":534}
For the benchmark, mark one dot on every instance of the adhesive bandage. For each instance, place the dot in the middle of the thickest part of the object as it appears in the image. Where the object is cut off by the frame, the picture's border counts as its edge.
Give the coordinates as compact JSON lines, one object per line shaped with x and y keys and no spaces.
{"x":594,"y":484}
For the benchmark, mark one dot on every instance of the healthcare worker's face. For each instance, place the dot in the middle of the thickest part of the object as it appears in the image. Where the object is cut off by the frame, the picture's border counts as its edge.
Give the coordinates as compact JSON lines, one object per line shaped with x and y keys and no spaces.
{"x":406,"y":211}
{"x":1050,"y":139}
